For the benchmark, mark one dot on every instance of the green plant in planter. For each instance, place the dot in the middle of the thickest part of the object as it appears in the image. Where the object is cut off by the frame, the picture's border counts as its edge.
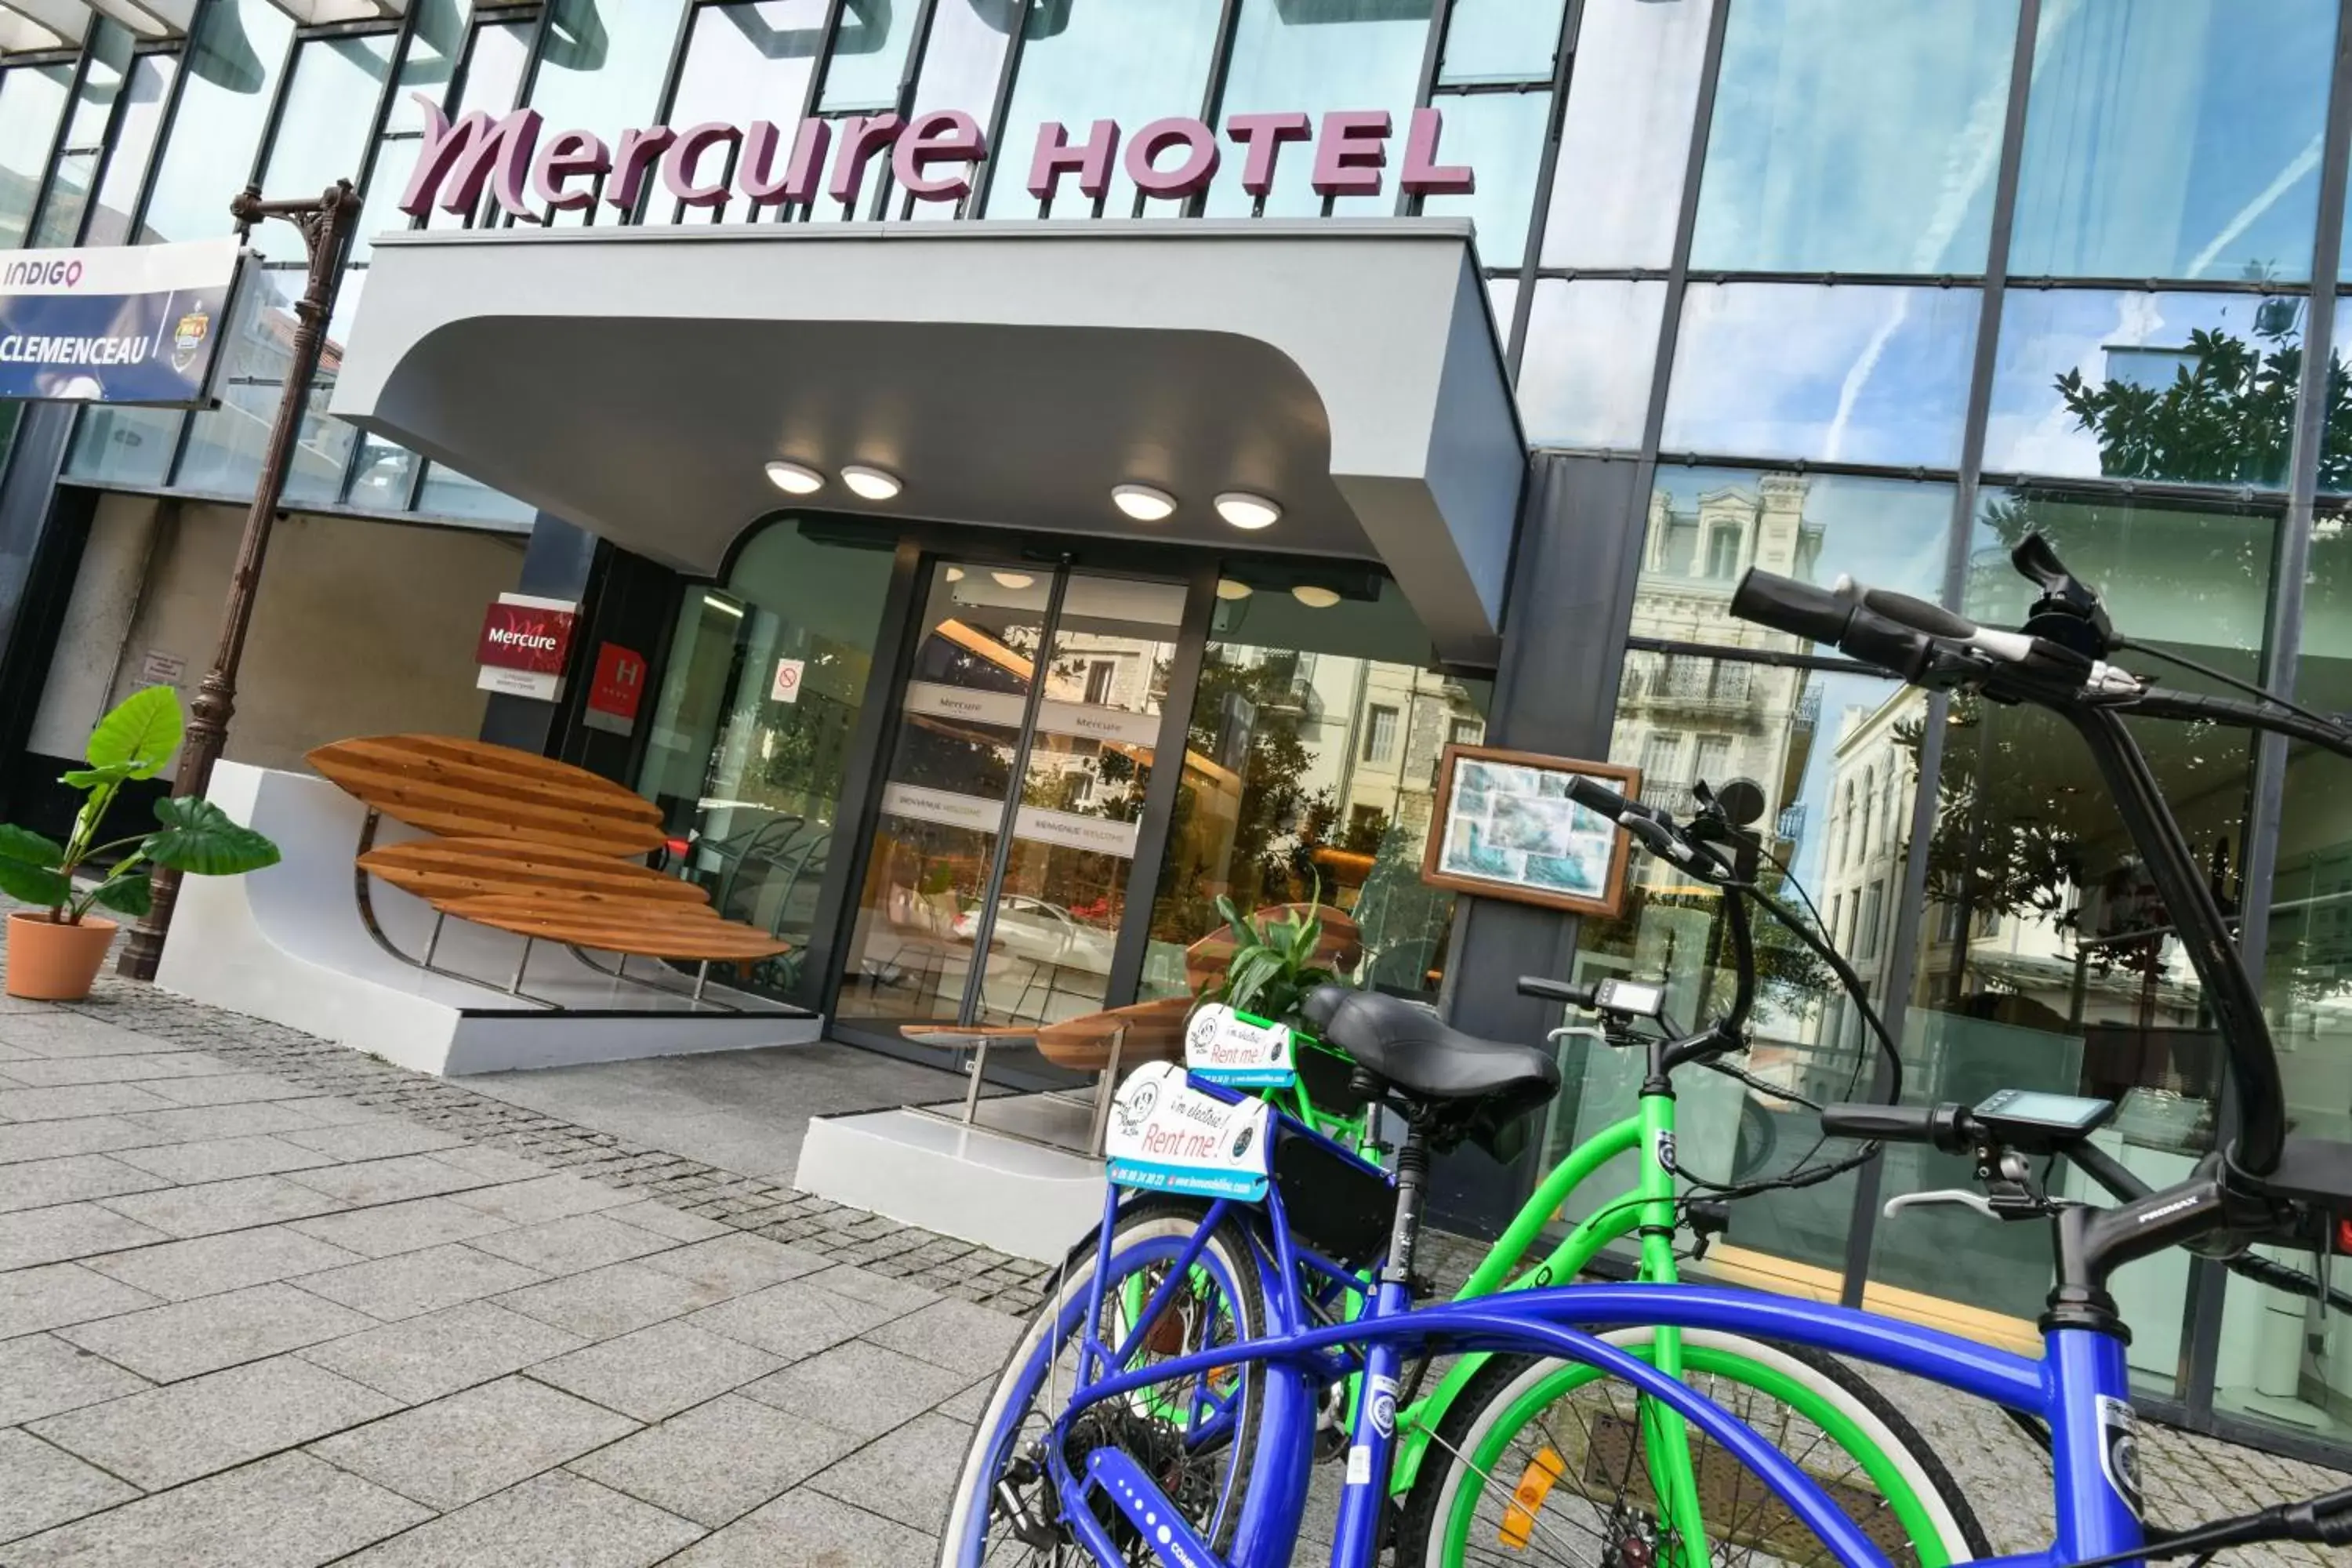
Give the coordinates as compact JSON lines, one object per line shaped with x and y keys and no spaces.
{"x":1272,"y":968}
{"x":133,"y":742}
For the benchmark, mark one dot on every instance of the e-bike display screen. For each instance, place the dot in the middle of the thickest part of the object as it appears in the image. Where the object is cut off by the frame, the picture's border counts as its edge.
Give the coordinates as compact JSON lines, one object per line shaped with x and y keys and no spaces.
{"x":1636,"y":997}
{"x":2035,"y":1111}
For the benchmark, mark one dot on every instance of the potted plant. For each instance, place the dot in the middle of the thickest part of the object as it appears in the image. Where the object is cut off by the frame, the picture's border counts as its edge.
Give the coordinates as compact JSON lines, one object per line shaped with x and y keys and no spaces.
{"x":54,"y":954}
{"x":1274,"y":964}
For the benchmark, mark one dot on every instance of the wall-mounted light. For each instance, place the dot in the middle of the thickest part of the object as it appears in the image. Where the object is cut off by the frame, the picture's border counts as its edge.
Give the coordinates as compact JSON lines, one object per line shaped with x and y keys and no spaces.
{"x":1315,"y":597}
{"x":1013,"y":579}
{"x":1229,"y":588}
{"x":1142,"y":502}
{"x":871,"y":483}
{"x":1243,"y":509}
{"x":794,"y":478}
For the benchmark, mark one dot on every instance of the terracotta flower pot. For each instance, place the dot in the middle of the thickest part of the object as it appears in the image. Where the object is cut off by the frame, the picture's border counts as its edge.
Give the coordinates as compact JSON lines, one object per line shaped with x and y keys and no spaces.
{"x":50,"y":962}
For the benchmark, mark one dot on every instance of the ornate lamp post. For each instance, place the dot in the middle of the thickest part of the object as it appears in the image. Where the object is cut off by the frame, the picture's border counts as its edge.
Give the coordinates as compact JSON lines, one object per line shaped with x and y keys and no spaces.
{"x":325,"y":222}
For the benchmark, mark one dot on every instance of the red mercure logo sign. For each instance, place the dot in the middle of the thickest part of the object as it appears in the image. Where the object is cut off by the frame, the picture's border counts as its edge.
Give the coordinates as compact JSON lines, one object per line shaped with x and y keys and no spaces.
{"x":525,"y":637}
{"x":931,"y":156}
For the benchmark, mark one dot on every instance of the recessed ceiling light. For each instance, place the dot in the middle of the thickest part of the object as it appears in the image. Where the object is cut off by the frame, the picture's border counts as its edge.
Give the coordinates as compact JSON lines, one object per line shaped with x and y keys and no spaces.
{"x":1142,"y":502}
{"x":1243,"y":509}
{"x":794,"y":478}
{"x":871,"y":483}
{"x":1227,"y":588}
{"x":955,"y":574}
{"x":1014,"y":579}
{"x":1314,"y":597}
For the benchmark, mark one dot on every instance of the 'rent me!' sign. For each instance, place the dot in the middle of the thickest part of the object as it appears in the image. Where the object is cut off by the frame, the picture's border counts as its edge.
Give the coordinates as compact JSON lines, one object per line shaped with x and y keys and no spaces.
{"x":930,"y":156}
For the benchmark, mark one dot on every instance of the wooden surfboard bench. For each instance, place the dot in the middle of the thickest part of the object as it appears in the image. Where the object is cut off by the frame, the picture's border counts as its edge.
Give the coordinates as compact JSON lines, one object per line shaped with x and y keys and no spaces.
{"x":530,"y":845}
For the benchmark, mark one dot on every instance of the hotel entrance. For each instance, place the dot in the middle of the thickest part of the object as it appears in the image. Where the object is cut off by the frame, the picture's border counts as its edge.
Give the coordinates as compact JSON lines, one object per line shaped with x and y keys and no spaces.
{"x":972,"y":789}
{"x":998,"y":878}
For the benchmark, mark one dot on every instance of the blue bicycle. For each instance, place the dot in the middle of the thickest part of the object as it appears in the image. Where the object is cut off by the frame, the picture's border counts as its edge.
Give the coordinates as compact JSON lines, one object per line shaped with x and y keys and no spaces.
{"x":1171,"y":1402}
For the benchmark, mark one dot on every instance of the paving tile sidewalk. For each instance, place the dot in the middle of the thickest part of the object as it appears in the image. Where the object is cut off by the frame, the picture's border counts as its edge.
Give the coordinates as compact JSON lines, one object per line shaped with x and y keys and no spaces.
{"x":264,"y":1300}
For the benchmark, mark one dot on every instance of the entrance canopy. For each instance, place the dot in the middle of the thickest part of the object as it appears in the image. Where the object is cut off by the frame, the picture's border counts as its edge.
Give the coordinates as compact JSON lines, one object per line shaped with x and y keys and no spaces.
{"x":637,"y":380}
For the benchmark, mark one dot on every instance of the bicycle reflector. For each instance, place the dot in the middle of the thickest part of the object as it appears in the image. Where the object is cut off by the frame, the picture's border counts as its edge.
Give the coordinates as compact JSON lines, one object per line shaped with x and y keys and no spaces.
{"x":1528,"y":1497}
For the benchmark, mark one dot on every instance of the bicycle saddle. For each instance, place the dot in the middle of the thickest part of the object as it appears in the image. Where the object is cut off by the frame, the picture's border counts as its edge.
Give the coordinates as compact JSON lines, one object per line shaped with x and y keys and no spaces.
{"x":1489,"y":1083}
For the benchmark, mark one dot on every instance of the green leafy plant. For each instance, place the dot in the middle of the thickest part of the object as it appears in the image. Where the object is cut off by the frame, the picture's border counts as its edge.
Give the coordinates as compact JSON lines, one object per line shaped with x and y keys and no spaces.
{"x":133,"y":742}
{"x":1272,"y":968}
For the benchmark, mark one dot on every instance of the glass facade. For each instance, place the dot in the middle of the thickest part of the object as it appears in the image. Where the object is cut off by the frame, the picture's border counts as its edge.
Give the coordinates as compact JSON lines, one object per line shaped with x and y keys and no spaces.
{"x":1860,"y":287}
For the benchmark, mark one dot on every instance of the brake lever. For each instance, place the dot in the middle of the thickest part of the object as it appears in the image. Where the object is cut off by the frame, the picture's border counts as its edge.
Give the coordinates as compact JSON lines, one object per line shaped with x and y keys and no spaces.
{"x":1960,"y":1195}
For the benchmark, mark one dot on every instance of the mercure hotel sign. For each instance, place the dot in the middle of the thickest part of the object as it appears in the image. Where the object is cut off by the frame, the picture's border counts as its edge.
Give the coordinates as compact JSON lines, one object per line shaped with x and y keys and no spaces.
{"x":931,"y":156}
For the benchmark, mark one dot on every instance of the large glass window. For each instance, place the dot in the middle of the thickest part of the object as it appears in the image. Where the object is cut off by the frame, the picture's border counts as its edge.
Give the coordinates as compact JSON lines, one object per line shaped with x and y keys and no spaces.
{"x":233,"y":69}
{"x":1500,"y":40}
{"x":1708,"y":525}
{"x":1856,"y":136}
{"x":1330,"y":55}
{"x":435,"y":46}
{"x":2047,"y":961}
{"x":445,"y":492}
{"x":138,"y":119}
{"x":2197,"y":387}
{"x":2174,"y":141}
{"x":32,"y":102}
{"x":1083,"y":60}
{"x":869,"y":56}
{"x":1624,"y":140}
{"x":2046,"y":958}
{"x":321,"y":130}
{"x":1500,"y":135}
{"x":1311,"y":766}
{"x":1592,"y":349}
{"x":601,"y":67}
{"x":749,"y":768}
{"x":224,"y":444}
{"x":494,"y":73}
{"x":1836,"y":374}
{"x":106,"y":57}
{"x":744,"y":63}
{"x":2280,"y":1363}
{"x":1806,"y":738}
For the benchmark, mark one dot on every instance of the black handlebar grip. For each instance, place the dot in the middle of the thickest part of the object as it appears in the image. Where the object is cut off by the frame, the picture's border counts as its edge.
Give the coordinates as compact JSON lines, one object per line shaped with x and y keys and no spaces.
{"x":1556,"y":991}
{"x":1596,"y":796}
{"x":1883,"y":1123}
{"x":1904,"y":610}
{"x":1787,"y":606}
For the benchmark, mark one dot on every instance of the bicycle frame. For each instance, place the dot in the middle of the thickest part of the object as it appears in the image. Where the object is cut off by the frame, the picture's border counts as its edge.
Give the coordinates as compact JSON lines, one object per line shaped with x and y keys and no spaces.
{"x":2077,"y":1388}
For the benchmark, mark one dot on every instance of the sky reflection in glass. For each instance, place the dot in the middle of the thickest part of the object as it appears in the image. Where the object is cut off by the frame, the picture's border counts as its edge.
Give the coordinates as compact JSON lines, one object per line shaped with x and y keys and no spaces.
{"x":1584,"y":376}
{"x":1335,"y":54}
{"x":1500,"y":135}
{"x":744,"y":63}
{"x":1106,"y":60}
{"x":2174,"y":140}
{"x":1624,"y":140}
{"x":1838,"y":374}
{"x":1856,"y":136}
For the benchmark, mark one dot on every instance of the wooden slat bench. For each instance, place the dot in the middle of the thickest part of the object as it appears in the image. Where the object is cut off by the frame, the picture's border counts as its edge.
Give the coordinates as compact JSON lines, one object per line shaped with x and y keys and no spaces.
{"x":532,"y":846}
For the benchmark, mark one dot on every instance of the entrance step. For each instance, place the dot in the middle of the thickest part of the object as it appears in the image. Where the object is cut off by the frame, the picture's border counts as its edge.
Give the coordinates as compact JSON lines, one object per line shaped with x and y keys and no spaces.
{"x":981,"y":1184}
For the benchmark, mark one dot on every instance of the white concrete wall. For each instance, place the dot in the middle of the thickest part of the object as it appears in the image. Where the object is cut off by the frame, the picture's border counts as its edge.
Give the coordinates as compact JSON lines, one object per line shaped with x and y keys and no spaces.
{"x":361,"y":627}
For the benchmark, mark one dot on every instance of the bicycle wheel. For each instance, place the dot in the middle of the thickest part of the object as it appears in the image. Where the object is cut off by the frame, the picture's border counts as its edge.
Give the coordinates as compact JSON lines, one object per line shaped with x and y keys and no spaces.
{"x":1196,"y":1438}
{"x":1548,"y":1461}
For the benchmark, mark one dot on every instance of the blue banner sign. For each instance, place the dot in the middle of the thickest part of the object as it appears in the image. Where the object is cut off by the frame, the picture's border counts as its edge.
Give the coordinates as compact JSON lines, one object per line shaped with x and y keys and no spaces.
{"x":138,"y":323}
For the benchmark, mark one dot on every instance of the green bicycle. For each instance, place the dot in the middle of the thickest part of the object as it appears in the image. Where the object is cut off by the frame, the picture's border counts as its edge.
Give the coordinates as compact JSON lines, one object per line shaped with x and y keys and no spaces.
{"x":1519,"y":1460}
